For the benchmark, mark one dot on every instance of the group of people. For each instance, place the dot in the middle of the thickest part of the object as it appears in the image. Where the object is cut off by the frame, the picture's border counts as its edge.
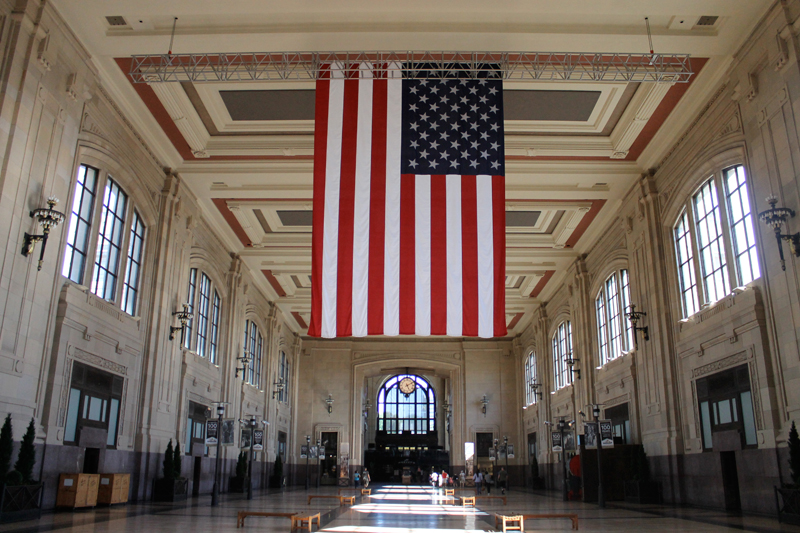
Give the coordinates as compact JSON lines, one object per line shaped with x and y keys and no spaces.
{"x":359,"y":478}
{"x":486,"y":480}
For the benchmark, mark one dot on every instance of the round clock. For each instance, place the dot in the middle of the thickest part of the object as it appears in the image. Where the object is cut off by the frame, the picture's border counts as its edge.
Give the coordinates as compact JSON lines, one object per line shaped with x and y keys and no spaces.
{"x":407,"y":386}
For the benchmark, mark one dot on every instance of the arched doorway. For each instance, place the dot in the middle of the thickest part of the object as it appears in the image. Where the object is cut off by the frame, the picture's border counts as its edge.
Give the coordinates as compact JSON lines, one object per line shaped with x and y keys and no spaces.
{"x":407,"y":436}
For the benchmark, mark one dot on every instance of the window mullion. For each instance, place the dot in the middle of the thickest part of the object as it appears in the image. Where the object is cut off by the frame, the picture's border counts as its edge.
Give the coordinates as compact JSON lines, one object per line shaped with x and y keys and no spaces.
{"x":699,"y":281}
{"x":123,"y":254}
{"x":727,"y":238}
{"x":97,"y":213}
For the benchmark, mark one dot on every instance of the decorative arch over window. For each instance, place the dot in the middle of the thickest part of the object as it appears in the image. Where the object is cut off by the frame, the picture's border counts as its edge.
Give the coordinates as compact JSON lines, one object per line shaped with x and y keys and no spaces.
{"x":406,"y":403}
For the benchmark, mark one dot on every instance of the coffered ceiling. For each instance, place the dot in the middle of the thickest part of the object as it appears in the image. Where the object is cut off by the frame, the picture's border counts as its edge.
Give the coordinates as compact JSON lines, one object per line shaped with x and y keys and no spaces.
{"x":572,"y":149}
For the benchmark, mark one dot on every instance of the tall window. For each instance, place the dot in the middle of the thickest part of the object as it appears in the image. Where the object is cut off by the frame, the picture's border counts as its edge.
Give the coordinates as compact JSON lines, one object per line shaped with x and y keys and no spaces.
{"x":130,"y":289}
{"x":94,"y":402}
{"x":283,"y":377}
{"x":113,"y":224}
{"x":203,"y":329}
{"x":531,"y":377}
{"x":726,"y":403}
{"x":716,"y":239}
{"x":253,"y":344}
{"x":562,"y":351}
{"x":80,"y":225}
{"x":406,"y":403}
{"x":613,"y":329}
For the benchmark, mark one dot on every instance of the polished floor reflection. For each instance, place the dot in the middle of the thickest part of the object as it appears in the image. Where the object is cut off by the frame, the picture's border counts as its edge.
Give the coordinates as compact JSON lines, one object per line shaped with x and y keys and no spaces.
{"x":392,"y":509}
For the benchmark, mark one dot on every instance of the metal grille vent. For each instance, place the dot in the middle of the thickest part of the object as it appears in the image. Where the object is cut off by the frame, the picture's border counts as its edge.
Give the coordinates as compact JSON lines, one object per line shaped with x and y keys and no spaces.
{"x":707,"y":20}
{"x":116,"y":21}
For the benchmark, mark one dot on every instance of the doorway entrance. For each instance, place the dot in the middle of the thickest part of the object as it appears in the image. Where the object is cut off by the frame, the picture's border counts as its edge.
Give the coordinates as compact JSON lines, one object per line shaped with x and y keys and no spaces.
{"x":196,"y":476}
{"x":730,"y":481}
{"x":330,"y":446}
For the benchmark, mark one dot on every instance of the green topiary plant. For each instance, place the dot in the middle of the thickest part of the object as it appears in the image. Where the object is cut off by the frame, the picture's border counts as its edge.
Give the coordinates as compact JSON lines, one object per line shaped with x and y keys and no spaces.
{"x":6,"y":449}
{"x":169,"y":462}
{"x":177,"y":459}
{"x":26,"y":459}
{"x":794,"y":455}
{"x":241,"y":465}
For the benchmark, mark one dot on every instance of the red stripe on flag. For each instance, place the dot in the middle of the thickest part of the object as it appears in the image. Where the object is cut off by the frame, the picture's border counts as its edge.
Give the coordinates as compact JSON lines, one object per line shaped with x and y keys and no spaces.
{"x":438,"y":255}
{"x":469,"y":255}
{"x":499,"y":248}
{"x":377,"y":209}
{"x":347,"y":187}
{"x":407,"y":254}
{"x":318,"y":233}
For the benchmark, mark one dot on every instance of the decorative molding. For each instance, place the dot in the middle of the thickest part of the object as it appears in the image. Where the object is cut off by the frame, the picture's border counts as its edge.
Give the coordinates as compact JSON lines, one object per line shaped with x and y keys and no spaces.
{"x":617,"y":401}
{"x":98,"y":361}
{"x":716,"y":366}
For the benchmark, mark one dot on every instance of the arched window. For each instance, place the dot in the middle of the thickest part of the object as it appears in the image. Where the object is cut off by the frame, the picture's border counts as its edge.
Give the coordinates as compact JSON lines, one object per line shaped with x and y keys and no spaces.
{"x":562,"y":351}
{"x":202,"y":330}
{"x":716,"y":239}
{"x":253,"y":347}
{"x":614,"y":332}
{"x":406,"y":403}
{"x":531,"y":378}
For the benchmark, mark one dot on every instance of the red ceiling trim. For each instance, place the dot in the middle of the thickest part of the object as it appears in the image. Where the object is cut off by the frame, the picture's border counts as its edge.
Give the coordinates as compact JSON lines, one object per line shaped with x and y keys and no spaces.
{"x":515,"y":320}
{"x":588,"y":218}
{"x":274,"y":282}
{"x":226,"y":213}
{"x":542,"y":282}
{"x":299,"y":319}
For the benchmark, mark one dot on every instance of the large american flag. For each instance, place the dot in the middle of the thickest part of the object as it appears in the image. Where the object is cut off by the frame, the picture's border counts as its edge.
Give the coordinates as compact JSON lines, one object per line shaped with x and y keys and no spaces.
{"x":409,"y":206}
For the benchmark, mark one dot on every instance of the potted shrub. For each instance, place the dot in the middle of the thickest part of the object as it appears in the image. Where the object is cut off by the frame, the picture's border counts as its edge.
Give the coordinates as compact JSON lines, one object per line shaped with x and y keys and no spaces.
{"x":21,"y":495}
{"x":238,"y":483}
{"x":789,"y":502}
{"x":171,"y":487}
{"x":639,"y":488}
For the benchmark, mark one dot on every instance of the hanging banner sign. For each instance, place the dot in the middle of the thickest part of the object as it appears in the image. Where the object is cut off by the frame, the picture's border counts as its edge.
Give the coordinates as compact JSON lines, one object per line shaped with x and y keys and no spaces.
{"x":304,"y":451}
{"x":314,"y":451}
{"x":606,"y":434}
{"x":492,"y":454}
{"x":244,"y":441}
{"x":258,"y":439}
{"x":510,"y":451}
{"x":569,"y":441}
{"x":228,"y":431}
{"x":555,"y":437}
{"x":212,"y":432}
{"x":590,"y":435}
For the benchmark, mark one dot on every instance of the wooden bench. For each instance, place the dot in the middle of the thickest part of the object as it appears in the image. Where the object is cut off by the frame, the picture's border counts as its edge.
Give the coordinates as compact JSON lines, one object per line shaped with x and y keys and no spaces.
{"x":509,"y":522}
{"x":468,"y":500}
{"x":571,"y":516}
{"x":364,"y":492}
{"x":449,"y":492}
{"x":505,"y":502}
{"x":300,"y":519}
{"x":244,"y":514}
{"x":342,"y":499}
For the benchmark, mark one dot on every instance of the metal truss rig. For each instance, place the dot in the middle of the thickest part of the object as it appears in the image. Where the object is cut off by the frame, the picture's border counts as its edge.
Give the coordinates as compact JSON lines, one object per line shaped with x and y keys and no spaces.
{"x":512,"y":66}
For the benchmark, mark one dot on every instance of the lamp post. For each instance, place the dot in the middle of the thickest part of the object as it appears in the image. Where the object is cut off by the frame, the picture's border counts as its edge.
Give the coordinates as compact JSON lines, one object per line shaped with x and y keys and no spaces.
{"x":218,"y":460}
{"x":252,"y":425}
{"x":320,"y":452}
{"x":562,"y":426}
{"x":601,"y":499}
{"x":505,"y":445}
{"x":308,"y":452}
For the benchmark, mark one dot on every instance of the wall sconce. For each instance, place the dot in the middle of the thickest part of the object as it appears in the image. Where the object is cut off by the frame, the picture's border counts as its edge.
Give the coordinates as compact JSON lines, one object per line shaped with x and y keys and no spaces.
{"x":634,"y":316}
{"x":776,"y":217}
{"x":329,"y":401}
{"x":571,"y":363}
{"x":48,"y":219}
{"x":367,"y":407}
{"x":183,"y":317}
{"x":535,"y":388}
{"x":279,"y":386}
{"x":484,"y":404}
{"x":245,"y":359}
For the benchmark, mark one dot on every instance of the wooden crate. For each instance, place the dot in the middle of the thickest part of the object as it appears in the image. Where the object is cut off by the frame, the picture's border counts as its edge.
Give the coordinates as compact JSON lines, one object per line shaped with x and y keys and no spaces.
{"x":77,"y":490}
{"x":113,"y":488}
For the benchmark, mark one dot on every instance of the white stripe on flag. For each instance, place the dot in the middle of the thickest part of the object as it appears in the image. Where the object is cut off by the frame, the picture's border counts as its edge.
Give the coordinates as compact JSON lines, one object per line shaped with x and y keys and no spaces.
{"x":330,"y":240}
{"x":422,"y":255}
{"x":361,"y":208}
{"x":455,"y":321}
{"x":485,"y":258}
{"x":391,"y":275}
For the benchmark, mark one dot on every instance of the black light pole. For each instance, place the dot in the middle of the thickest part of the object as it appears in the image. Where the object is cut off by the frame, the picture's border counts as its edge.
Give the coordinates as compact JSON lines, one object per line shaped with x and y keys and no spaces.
{"x":562,"y":426}
{"x":218,"y":461}
{"x":308,"y":452}
{"x":319,"y":460}
{"x":505,"y":443}
{"x":601,"y":498}
{"x":252,"y":425}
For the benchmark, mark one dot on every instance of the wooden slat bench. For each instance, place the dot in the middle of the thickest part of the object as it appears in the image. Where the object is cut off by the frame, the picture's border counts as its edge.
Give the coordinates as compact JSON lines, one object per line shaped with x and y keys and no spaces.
{"x":300,"y":519}
{"x":571,"y":516}
{"x":364,"y":492}
{"x":505,"y":502}
{"x":468,"y":500}
{"x":244,"y":514}
{"x":449,"y":492}
{"x":509,"y":522}
{"x":342,"y":499}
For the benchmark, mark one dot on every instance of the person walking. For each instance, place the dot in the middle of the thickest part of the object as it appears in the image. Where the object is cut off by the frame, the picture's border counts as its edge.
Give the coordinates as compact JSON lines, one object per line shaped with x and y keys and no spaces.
{"x":477,"y":478}
{"x":502,"y":479}
{"x":365,"y":478}
{"x":488,"y":480}
{"x":462,"y":479}
{"x":357,"y":479}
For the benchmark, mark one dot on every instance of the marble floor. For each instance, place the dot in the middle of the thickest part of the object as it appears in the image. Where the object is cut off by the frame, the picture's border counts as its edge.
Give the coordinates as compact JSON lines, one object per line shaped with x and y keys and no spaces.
{"x":391,"y":509}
